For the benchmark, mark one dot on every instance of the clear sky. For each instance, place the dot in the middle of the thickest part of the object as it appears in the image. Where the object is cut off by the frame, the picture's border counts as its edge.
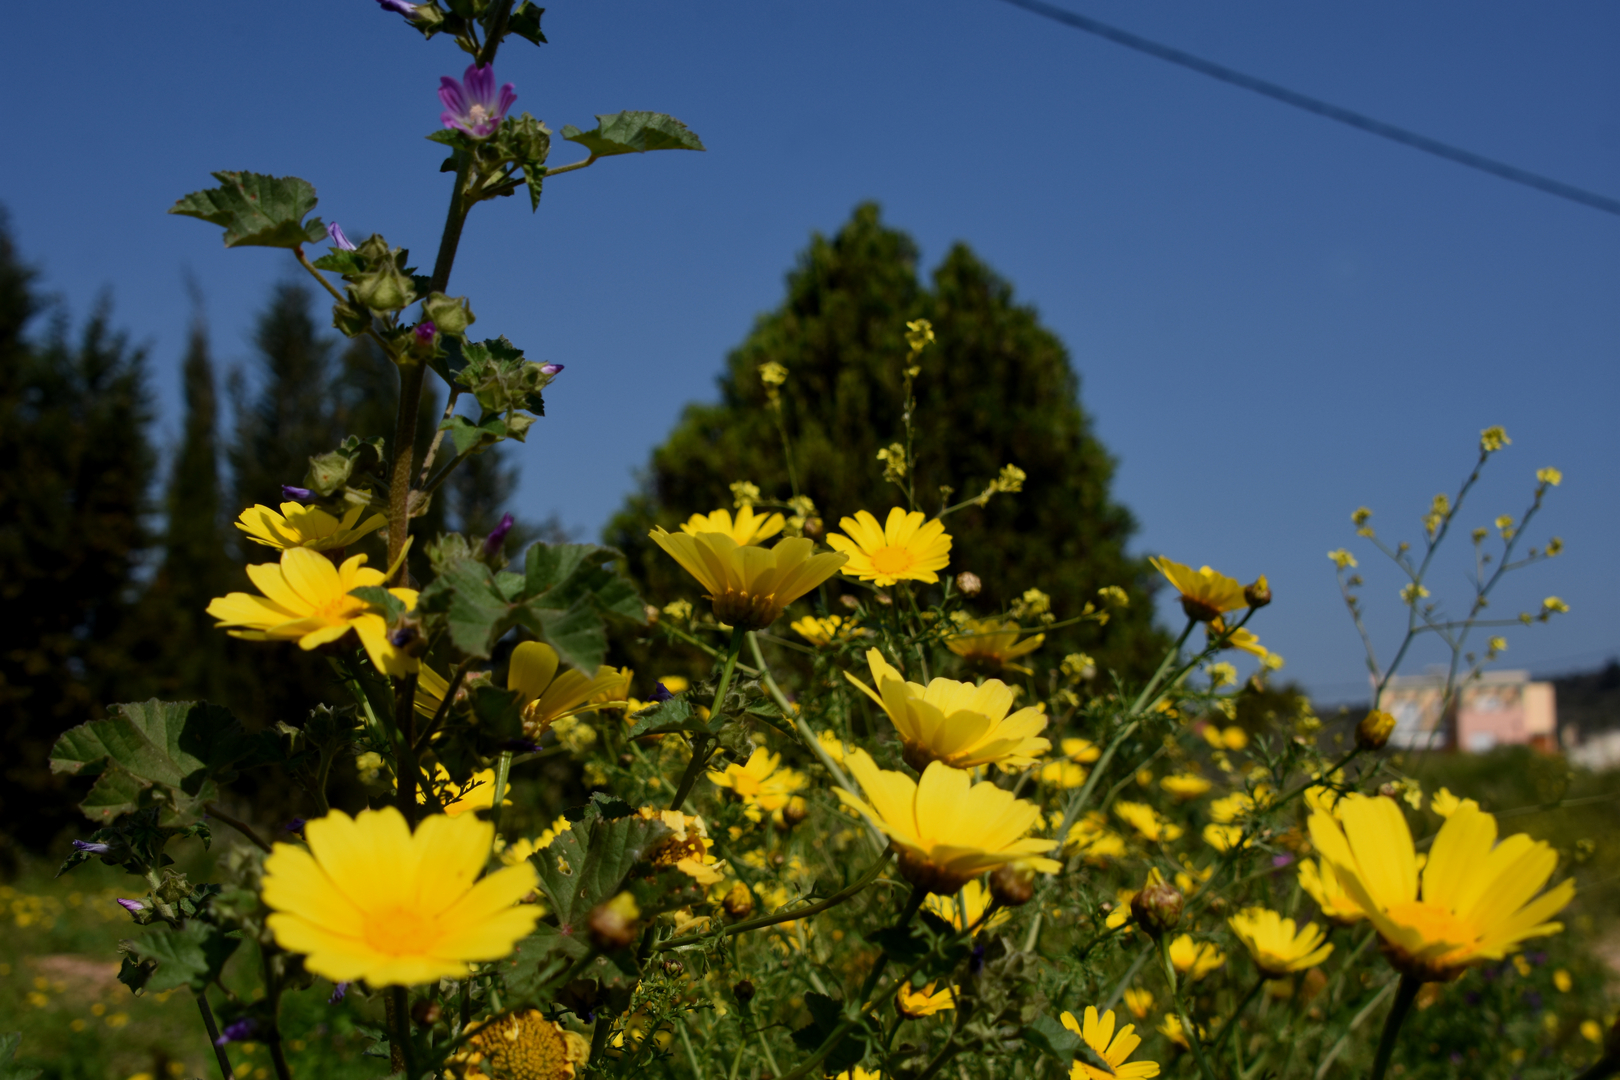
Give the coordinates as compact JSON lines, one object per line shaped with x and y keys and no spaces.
{"x":1275,"y":319}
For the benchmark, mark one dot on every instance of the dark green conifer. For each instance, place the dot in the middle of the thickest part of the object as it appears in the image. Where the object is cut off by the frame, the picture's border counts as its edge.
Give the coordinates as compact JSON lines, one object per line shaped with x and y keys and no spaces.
{"x":995,"y":389}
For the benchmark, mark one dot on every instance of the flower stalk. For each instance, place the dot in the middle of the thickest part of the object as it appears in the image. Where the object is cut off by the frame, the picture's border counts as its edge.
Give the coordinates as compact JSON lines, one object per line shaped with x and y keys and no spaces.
{"x":1405,"y":994}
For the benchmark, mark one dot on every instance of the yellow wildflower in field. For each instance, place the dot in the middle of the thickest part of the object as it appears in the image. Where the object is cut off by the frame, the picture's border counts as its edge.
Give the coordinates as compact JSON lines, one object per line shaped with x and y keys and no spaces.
{"x":964,"y":908}
{"x":687,"y":846}
{"x":1153,"y":826}
{"x":371,"y":900}
{"x":821,"y":631}
{"x":1231,"y":738}
{"x":749,"y":586}
{"x":1070,"y":772}
{"x":1562,"y":982}
{"x":430,"y":690}
{"x":759,"y":783}
{"x":946,"y":828}
{"x":1444,"y":803}
{"x":1323,"y":886}
{"x":955,"y":722}
{"x":1225,"y":837}
{"x":1242,"y":640}
{"x":522,"y":1046}
{"x":993,"y":643}
{"x":547,"y":695}
{"x":306,"y":599}
{"x":747,"y":528}
{"x":1274,"y":943}
{"x":903,"y":549}
{"x":1139,"y":1001}
{"x":306,"y":526}
{"x":1114,"y":1049}
{"x":858,"y":1073}
{"x":1195,"y":958}
{"x":1170,"y":1028}
{"x":1091,"y":837}
{"x":1205,"y":594}
{"x":518,"y":850}
{"x":916,"y":1004}
{"x":1188,"y":785}
{"x":478,"y":793}
{"x":1476,"y":899}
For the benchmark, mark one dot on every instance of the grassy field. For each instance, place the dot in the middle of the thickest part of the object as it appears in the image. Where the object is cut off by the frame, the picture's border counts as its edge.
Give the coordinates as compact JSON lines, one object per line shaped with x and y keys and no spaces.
{"x":59,"y":961}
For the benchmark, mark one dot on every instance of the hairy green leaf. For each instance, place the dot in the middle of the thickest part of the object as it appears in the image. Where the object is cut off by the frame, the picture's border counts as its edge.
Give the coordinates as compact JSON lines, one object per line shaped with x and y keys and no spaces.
{"x":9,"y":1069}
{"x":588,"y":864}
{"x":191,"y":956}
{"x":633,"y":133}
{"x":257,"y":210}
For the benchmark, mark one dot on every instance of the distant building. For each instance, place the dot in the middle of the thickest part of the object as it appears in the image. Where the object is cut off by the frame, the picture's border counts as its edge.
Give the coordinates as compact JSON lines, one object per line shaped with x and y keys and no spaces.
{"x":1500,"y":708}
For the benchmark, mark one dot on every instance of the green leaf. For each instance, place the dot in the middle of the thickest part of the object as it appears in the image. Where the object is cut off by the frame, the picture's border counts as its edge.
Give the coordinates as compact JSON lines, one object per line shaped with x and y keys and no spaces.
{"x":338,"y":261}
{"x":191,"y":956}
{"x":469,"y":437}
{"x":577,"y":634}
{"x":667,"y":717}
{"x":540,"y":958}
{"x":476,"y":612}
{"x":499,"y":712}
{"x":633,"y":133}
{"x":826,"y":1013}
{"x":378,"y":597}
{"x":257,"y":210}
{"x":525,"y":23}
{"x":9,"y":1069}
{"x":588,"y":864}
{"x":1052,"y":1038}
{"x":170,"y":752}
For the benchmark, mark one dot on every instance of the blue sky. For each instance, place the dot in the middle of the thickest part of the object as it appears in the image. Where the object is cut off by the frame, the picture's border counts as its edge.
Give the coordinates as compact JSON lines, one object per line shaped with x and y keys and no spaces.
{"x":1275,"y":319}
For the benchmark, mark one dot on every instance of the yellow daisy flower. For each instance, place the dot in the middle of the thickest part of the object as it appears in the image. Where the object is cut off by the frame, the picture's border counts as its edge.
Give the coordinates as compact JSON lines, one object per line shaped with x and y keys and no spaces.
{"x":822,"y":631}
{"x":687,"y":846}
{"x":1183,"y":786}
{"x":1275,"y":945}
{"x":523,"y":1046}
{"x":1139,"y":1001}
{"x":973,"y":899}
{"x":747,"y":528}
{"x":306,"y":599}
{"x":430,"y":690}
{"x":947,"y":829}
{"x":760,"y":785}
{"x":1323,"y":886}
{"x":749,"y":586}
{"x":904,"y":549}
{"x":1153,"y":826}
{"x":1225,"y":837}
{"x":1444,"y":803}
{"x":1070,"y":772}
{"x":954,"y":722}
{"x":916,"y":1004}
{"x":306,"y":526}
{"x":1476,"y":899}
{"x":1205,"y":594}
{"x":1091,"y":837}
{"x":518,"y":850}
{"x":548,"y":695}
{"x":371,"y":900}
{"x":1114,"y":1049}
{"x":858,"y":1073}
{"x":1170,"y":1028}
{"x":993,"y":644}
{"x":478,"y":793}
{"x":1195,"y":958}
{"x":1243,"y":640}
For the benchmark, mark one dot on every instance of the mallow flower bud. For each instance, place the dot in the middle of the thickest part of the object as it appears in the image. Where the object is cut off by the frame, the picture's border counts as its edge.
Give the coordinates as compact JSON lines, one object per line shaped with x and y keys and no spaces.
{"x":450,"y":314}
{"x":1157,"y":908}
{"x":1374,"y":730}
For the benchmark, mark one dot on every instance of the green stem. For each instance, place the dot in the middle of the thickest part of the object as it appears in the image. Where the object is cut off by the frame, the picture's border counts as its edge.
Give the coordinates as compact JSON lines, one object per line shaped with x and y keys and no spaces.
{"x":1187,"y":1028}
{"x":240,"y":826}
{"x":854,"y":887}
{"x":1226,"y":1029}
{"x":411,"y":371}
{"x":1405,"y":994}
{"x":701,"y":743}
{"x":503,"y":771}
{"x":213,"y":1037}
{"x":399,"y":1008}
{"x":408,"y":765}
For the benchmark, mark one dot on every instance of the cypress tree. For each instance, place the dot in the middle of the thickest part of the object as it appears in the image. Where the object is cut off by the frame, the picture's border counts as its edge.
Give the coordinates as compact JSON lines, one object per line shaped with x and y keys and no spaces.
{"x":75,"y":469}
{"x":996,"y":388}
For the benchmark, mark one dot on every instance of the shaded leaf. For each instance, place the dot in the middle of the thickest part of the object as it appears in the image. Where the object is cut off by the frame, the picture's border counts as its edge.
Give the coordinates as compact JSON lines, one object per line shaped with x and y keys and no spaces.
{"x":588,"y":864}
{"x":673,"y":715}
{"x":525,"y":23}
{"x":191,"y":956}
{"x":257,"y":210}
{"x":9,"y":1069}
{"x":1052,"y":1038}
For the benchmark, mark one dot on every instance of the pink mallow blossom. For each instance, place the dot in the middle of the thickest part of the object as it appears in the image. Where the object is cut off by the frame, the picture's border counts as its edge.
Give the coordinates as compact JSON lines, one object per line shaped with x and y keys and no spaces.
{"x":472,"y":105}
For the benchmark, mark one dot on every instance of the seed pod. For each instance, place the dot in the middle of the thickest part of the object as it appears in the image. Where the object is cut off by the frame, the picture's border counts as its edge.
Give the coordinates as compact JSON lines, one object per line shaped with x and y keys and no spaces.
{"x":739,"y":902}
{"x":1258,"y":595}
{"x":1157,"y":908}
{"x":968,"y":583}
{"x":743,"y":991}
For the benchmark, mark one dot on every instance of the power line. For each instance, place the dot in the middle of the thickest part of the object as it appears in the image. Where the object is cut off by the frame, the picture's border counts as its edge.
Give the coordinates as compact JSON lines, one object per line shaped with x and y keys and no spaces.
{"x":1321,"y":108}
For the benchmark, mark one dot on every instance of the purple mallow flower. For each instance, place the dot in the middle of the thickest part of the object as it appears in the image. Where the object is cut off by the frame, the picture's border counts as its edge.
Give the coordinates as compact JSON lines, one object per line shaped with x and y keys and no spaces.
{"x":131,"y":906}
{"x":335,"y":231}
{"x":497,"y":537}
{"x":551,"y":369}
{"x":400,"y":7}
{"x":237,"y":1031}
{"x":472,"y":105}
{"x":661,"y":693}
{"x":297,"y":494}
{"x":296,"y":825}
{"x":338,"y":991}
{"x":426,"y":332}
{"x":90,"y":848}
{"x":1280,"y":861}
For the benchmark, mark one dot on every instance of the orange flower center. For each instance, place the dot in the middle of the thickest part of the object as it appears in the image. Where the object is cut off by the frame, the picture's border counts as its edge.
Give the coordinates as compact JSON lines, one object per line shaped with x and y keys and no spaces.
{"x":401,"y":931}
{"x":1438,"y":926}
{"x":338,"y":610}
{"x":893,"y":560}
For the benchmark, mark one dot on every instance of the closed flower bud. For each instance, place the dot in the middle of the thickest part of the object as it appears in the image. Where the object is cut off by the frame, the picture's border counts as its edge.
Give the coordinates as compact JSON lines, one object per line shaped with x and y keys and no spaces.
{"x":1374,"y":730}
{"x":739,"y":902}
{"x":426,"y":1013}
{"x":743,"y":991}
{"x":814,"y":527}
{"x":1157,"y":908}
{"x":384,"y":289}
{"x":969,"y":584}
{"x":1259,"y":594}
{"x":795,"y":811}
{"x":613,"y":924}
{"x":450,"y":314}
{"x":1012,"y":885}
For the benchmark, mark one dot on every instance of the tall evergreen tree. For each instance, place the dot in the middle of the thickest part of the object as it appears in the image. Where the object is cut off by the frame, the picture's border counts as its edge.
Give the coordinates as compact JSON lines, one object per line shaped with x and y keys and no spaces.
{"x":997,"y":388}
{"x":75,"y":468}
